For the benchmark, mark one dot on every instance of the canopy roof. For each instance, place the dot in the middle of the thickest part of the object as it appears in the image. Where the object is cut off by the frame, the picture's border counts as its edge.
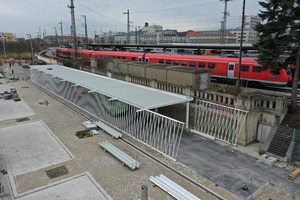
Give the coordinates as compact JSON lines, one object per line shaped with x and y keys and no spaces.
{"x":133,"y":94}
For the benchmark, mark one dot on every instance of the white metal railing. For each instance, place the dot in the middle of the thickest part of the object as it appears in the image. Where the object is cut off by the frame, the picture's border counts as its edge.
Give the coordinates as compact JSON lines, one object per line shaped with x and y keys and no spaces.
{"x":172,"y":188}
{"x":217,"y":121}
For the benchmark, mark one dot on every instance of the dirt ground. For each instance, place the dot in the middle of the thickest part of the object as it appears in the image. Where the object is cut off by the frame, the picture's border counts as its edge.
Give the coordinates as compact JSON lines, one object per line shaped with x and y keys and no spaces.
{"x":292,"y":120}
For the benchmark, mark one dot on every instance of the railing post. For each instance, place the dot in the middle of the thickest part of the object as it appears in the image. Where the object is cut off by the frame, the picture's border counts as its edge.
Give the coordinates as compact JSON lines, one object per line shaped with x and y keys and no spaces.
{"x":292,"y":147}
{"x":144,"y":192}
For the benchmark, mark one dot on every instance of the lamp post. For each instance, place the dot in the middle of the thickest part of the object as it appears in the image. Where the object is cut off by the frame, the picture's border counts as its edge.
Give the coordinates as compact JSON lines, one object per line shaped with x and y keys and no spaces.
{"x":128,"y":27}
{"x":2,"y":34}
{"x":32,"y":58}
{"x":241,"y":49}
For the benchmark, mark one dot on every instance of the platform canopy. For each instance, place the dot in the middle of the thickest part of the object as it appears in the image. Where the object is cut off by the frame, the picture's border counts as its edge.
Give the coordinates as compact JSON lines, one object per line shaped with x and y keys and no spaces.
{"x":136,"y":95}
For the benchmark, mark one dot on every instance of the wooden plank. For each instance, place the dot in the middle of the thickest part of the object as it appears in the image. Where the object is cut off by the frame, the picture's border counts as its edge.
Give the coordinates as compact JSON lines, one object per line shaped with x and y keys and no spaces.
{"x":294,"y":174}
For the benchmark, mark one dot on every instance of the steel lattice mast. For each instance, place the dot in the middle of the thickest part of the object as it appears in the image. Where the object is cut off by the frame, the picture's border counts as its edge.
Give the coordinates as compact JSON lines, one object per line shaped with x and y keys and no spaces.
{"x":223,"y":23}
{"x":73,"y":29}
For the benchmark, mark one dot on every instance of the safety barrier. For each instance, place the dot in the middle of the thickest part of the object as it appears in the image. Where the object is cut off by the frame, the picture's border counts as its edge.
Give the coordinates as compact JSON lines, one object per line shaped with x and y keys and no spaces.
{"x":114,"y":133}
{"x":172,"y":188}
{"x":124,"y":158}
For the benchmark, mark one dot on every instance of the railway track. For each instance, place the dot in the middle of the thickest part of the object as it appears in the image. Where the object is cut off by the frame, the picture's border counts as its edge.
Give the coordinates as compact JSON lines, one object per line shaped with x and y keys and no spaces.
{"x":92,"y":118}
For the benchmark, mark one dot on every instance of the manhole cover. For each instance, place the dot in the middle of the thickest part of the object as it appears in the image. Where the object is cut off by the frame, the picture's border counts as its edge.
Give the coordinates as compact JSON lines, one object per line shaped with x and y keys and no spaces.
{"x":22,"y":119}
{"x":58,"y":171}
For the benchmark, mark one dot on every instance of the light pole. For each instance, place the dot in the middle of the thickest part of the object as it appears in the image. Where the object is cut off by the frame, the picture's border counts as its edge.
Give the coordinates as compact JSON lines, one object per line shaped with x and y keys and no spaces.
{"x":128,"y":27}
{"x":2,"y":34}
{"x":241,"y":49}
{"x":56,"y":36}
{"x":32,"y":58}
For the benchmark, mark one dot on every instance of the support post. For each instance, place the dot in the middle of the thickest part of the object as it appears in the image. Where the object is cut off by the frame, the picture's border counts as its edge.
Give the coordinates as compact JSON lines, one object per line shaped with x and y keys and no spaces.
{"x":187,"y":115}
{"x":144,"y":192}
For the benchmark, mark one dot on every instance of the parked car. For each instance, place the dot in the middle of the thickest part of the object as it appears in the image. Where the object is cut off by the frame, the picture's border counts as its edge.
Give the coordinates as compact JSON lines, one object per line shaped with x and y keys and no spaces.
{"x":26,"y":66}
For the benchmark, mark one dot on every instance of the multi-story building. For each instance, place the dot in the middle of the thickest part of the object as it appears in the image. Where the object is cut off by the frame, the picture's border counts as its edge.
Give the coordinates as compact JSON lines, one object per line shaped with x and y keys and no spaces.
{"x":249,"y":35}
{"x":210,"y":37}
{"x":250,"y":21}
{"x":8,"y":37}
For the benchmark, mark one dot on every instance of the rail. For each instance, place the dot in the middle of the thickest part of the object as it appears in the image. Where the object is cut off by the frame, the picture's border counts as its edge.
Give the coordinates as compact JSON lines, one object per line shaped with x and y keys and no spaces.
{"x":123,"y":157}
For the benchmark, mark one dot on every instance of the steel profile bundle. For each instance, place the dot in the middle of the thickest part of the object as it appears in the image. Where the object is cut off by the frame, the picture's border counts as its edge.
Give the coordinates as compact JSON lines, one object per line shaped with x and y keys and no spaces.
{"x":172,"y":188}
{"x":109,"y":130}
{"x":123,"y":157}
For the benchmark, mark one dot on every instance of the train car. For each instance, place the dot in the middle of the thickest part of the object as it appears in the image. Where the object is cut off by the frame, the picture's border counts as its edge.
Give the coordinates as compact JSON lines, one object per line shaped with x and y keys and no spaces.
{"x":226,"y":68}
{"x":87,"y":55}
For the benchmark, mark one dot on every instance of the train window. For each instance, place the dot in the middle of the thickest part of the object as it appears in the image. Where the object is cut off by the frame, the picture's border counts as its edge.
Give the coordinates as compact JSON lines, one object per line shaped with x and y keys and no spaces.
{"x":105,"y":57}
{"x":183,"y":63}
{"x":101,"y":56}
{"x":114,"y":56}
{"x":123,"y":58}
{"x":90,"y":55}
{"x":244,"y":68}
{"x":168,"y":62}
{"x":175,"y":62}
{"x":161,"y":61}
{"x":109,"y":56}
{"x":211,"y":65}
{"x":134,"y":59}
{"x":119,"y":57}
{"x":201,"y":65}
{"x":192,"y":64}
{"x":257,"y":69}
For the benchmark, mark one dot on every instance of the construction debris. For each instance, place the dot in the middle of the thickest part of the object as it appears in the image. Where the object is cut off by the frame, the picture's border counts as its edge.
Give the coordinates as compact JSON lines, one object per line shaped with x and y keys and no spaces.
{"x":294,"y":174}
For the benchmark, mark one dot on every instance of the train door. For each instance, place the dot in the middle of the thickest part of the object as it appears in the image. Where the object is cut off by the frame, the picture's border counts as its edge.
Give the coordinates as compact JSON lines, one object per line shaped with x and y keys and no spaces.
{"x":140,"y":58}
{"x":230,"y":70}
{"x":147,"y":59}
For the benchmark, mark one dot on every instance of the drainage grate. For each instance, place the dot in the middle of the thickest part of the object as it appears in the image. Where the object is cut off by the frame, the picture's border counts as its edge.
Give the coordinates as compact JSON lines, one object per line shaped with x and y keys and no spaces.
{"x":57,"y":172}
{"x":22,"y":119}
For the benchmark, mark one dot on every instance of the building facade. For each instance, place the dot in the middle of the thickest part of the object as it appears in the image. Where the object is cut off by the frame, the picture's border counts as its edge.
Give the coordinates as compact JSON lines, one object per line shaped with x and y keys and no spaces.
{"x":8,"y":37}
{"x":250,"y":21}
{"x":250,"y":36}
{"x":210,"y":37}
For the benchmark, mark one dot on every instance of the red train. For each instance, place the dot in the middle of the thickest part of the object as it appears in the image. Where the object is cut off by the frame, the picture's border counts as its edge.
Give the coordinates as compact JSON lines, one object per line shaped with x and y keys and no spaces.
{"x":221,"y":68}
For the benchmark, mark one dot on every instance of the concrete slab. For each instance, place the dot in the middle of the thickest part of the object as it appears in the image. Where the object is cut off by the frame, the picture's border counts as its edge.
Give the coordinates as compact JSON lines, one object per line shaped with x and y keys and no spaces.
{"x":11,"y":109}
{"x":269,"y":160}
{"x":31,"y":146}
{"x":79,"y":187}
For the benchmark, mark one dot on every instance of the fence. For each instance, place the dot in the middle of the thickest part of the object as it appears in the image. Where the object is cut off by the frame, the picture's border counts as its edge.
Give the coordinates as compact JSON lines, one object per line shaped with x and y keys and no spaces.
{"x":284,"y":143}
{"x":218,"y":121}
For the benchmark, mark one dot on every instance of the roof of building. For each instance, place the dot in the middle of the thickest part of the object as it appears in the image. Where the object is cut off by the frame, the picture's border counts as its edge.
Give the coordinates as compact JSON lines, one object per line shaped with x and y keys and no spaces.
{"x":133,"y":94}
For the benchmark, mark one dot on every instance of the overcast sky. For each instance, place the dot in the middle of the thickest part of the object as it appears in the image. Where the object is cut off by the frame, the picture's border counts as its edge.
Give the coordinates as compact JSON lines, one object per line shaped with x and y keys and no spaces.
{"x":23,"y":17}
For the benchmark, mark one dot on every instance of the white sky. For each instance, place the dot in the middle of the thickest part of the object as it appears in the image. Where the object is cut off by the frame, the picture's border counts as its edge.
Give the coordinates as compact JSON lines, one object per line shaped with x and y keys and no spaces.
{"x":23,"y":17}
